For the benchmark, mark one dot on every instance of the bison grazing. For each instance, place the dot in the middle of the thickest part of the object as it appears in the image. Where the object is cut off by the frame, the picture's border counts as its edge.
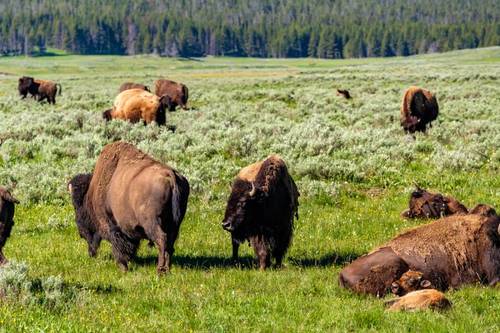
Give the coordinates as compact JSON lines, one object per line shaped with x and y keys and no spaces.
{"x":7,"y":202}
{"x":426,"y":204}
{"x":42,"y":89}
{"x":419,"y":300}
{"x":261,"y":209}
{"x":449,"y":252}
{"x":130,"y":197}
{"x":419,"y":108}
{"x":131,"y":85}
{"x":344,"y":93}
{"x":135,"y":105}
{"x":177,"y":92}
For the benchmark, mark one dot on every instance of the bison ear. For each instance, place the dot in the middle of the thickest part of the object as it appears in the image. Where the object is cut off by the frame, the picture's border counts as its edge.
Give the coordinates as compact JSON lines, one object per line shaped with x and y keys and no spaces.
{"x":425,"y":284}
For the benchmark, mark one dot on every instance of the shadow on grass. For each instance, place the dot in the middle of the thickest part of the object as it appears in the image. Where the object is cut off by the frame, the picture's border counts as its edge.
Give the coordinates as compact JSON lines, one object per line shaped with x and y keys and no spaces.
{"x":103,"y":289}
{"x":202,"y":262}
{"x":324,"y":261}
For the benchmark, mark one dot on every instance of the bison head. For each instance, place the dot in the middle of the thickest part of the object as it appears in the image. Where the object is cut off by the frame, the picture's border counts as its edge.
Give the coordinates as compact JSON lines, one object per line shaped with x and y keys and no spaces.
{"x":426,"y":204}
{"x":78,"y":187}
{"x":167,"y":103}
{"x":24,"y":84}
{"x":241,"y":207}
{"x":408,"y":282}
{"x":106,"y":115}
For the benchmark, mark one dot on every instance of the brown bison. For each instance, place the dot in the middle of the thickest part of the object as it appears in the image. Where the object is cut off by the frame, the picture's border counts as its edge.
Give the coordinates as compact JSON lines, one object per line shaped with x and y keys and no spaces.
{"x":7,"y":202}
{"x":424,"y":204}
{"x":261,"y":209}
{"x":131,"y":85}
{"x":419,"y":300}
{"x":135,"y":105}
{"x":343,"y":93}
{"x":130,"y":197}
{"x":419,"y":108}
{"x":42,"y":89}
{"x":449,"y":252}
{"x":177,"y":92}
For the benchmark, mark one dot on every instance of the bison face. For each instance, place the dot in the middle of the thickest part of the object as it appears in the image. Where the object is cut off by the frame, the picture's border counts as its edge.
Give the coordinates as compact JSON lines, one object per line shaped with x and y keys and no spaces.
{"x":106,"y":115}
{"x":409,"y":281}
{"x":240,"y":210}
{"x":24,"y":84}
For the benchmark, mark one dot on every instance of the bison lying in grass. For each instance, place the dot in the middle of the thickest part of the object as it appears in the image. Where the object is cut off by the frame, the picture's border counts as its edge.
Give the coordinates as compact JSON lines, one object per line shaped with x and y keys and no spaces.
{"x":261,"y":209}
{"x":7,"y":202}
{"x":449,"y":252}
{"x":177,"y":92}
{"x":426,"y":204}
{"x":418,"y":109}
{"x":419,"y":300}
{"x":130,"y":197}
{"x":42,"y":89}
{"x":135,"y":105}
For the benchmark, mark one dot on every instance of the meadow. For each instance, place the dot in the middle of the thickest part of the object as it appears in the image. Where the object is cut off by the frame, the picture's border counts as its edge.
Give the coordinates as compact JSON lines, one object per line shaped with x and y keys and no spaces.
{"x":354,"y":167}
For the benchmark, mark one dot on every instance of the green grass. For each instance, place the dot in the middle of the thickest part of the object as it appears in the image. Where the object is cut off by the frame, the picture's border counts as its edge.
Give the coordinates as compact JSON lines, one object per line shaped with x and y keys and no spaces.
{"x":353,"y":165}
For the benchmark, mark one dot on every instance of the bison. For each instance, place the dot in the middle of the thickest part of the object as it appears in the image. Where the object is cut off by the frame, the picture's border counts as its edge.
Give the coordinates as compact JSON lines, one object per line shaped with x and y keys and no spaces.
{"x":261,"y":209}
{"x":7,"y":202}
{"x":418,"y":109}
{"x":129,"y":197}
{"x":424,"y":204}
{"x":343,"y":93}
{"x":177,"y":92}
{"x":131,"y":85}
{"x":419,"y":300}
{"x":135,"y":105}
{"x":449,"y":252}
{"x":42,"y":89}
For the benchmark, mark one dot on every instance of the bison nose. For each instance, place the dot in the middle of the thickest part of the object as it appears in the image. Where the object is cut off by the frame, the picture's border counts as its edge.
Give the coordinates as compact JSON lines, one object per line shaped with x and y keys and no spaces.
{"x":227,"y":226}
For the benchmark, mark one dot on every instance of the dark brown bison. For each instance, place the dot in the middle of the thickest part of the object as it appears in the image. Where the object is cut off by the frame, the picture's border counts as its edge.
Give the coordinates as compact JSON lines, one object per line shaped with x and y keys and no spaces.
{"x":130,"y":197}
{"x":449,"y":252}
{"x":419,"y":300}
{"x":261,"y":209}
{"x":177,"y":92}
{"x":42,"y":89}
{"x":418,"y":109}
{"x":424,"y":204}
{"x":7,"y":202}
{"x":343,"y":93}
{"x":131,"y":85}
{"x":135,"y":105}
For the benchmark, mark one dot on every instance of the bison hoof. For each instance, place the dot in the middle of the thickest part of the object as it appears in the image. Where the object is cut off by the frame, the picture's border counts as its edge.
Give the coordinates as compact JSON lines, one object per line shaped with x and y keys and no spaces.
{"x":123,"y":267}
{"x":163,"y":270}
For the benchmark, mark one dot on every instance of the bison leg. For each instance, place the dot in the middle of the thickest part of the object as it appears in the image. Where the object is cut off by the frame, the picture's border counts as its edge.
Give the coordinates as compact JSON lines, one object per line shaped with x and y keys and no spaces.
{"x":94,"y":244}
{"x":236,"y":247}
{"x":262,"y":252}
{"x":3,"y":260}
{"x":123,"y":248}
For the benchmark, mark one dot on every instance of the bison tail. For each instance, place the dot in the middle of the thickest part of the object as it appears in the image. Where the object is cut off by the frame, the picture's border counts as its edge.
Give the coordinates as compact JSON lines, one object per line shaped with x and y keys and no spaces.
{"x":60,"y":88}
{"x":179,"y":200}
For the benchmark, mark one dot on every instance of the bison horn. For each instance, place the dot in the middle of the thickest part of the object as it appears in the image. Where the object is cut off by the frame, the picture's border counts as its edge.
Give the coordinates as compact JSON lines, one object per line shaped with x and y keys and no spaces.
{"x":252,"y":191}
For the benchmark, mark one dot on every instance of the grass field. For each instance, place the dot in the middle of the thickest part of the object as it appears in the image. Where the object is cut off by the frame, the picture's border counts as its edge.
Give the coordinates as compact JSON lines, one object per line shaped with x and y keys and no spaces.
{"x":354,"y":167}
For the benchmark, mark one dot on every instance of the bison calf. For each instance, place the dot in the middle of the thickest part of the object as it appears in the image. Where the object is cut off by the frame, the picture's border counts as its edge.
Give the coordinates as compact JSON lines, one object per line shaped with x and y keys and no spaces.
{"x":130,"y":197}
{"x":419,"y":300}
{"x":261,"y":209}
{"x":7,"y":202}
{"x":135,"y":105}
{"x":418,"y":109}
{"x":177,"y":92}
{"x":425,"y":204}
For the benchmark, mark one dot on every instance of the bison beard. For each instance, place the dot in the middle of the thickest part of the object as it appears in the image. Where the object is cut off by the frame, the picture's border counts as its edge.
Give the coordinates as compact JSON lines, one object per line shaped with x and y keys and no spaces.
{"x":7,"y":202}
{"x":111,"y":204}
{"x":450,"y":252}
{"x":262,"y":212}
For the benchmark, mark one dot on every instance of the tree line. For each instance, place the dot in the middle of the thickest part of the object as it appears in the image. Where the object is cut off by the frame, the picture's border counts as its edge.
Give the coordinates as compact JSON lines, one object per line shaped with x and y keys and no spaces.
{"x":257,"y":28}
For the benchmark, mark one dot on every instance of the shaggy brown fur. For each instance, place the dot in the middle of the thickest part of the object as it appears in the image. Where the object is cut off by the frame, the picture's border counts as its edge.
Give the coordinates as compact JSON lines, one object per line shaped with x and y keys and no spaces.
{"x":408,"y":282}
{"x":418,"y":108}
{"x":135,"y":105}
{"x":452,"y":251}
{"x":343,"y":93}
{"x":42,"y":89}
{"x":131,"y":85}
{"x":483,"y":210}
{"x":7,"y":202}
{"x":177,"y":92}
{"x":419,"y":300}
{"x":130,"y":197}
{"x":424,"y":204}
{"x":261,"y":209}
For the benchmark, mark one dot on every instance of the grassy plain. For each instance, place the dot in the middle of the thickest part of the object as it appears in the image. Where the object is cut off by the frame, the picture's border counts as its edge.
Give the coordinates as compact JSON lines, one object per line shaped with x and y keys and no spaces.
{"x":353,"y":164}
